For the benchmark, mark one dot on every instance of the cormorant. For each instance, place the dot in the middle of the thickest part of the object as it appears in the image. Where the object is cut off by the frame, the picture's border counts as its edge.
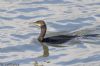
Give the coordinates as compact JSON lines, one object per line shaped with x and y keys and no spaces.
{"x":59,"y":39}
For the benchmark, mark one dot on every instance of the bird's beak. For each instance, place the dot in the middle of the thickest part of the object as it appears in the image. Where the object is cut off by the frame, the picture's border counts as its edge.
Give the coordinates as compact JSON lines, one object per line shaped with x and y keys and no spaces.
{"x":34,"y":24}
{"x":37,"y":24}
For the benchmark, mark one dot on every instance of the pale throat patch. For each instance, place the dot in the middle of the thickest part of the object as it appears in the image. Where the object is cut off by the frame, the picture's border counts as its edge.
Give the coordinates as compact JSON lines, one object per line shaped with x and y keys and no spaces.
{"x":38,"y":24}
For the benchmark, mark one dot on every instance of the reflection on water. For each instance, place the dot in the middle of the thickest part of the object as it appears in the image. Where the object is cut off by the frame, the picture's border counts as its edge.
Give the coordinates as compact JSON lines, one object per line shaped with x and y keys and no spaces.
{"x":45,"y":50}
{"x":71,"y":42}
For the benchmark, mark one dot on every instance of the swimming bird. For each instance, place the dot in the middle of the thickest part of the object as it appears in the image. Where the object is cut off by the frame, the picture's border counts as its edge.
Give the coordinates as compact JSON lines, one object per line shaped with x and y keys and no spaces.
{"x":58,"y":39}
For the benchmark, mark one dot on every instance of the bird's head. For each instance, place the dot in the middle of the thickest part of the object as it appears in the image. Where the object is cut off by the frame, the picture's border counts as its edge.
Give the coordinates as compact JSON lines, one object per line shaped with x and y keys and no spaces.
{"x":39,"y":23}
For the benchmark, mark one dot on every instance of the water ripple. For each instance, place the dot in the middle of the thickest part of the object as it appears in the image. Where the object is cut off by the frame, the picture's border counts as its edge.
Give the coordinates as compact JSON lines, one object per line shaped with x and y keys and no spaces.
{"x":30,"y":9}
{"x":26,"y":36}
{"x":48,"y":2}
{"x":7,"y":27}
{"x":78,"y":20}
{"x":85,"y":60}
{"x":2,"y":10}
{"x":24,"y":17}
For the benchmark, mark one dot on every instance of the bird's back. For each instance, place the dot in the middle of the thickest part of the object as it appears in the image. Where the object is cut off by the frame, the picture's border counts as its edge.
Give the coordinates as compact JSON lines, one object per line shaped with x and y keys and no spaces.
{"x":58,"y":39}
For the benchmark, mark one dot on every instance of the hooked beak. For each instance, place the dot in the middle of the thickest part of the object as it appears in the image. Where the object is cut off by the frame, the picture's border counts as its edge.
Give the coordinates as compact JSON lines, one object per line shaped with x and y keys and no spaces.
{"x":35,"y":23}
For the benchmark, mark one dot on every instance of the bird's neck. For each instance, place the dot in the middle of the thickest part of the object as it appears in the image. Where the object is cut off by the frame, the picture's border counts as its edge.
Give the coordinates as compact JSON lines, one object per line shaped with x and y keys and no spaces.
{"x":43,"y":32}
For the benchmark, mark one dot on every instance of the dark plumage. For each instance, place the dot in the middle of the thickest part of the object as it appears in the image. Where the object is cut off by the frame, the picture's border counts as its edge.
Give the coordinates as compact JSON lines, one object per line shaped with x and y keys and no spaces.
{"x":58,"y":39}
{"x":54,"y":40}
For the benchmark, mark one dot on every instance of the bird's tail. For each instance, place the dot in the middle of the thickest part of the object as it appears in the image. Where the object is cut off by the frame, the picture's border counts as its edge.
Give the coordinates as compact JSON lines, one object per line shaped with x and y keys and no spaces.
{"x":91,"y":35}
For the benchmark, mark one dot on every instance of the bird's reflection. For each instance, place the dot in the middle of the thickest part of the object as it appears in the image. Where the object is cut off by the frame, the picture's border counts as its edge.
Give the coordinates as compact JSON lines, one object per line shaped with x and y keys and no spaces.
{"x":45,"y":46}
{"x":45,"y":50}
{"x":56,"y":40}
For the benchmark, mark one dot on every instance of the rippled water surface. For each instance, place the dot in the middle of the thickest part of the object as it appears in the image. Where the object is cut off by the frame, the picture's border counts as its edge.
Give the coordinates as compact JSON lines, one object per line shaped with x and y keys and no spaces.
{"x":18,"y":36}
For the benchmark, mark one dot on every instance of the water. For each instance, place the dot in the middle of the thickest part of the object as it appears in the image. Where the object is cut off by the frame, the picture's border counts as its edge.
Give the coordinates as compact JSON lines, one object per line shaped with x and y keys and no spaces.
{"x":18,"y":38}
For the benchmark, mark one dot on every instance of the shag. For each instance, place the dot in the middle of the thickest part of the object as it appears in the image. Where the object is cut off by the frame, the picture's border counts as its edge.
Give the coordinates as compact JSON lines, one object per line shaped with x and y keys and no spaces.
{"x":59,"y":39}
